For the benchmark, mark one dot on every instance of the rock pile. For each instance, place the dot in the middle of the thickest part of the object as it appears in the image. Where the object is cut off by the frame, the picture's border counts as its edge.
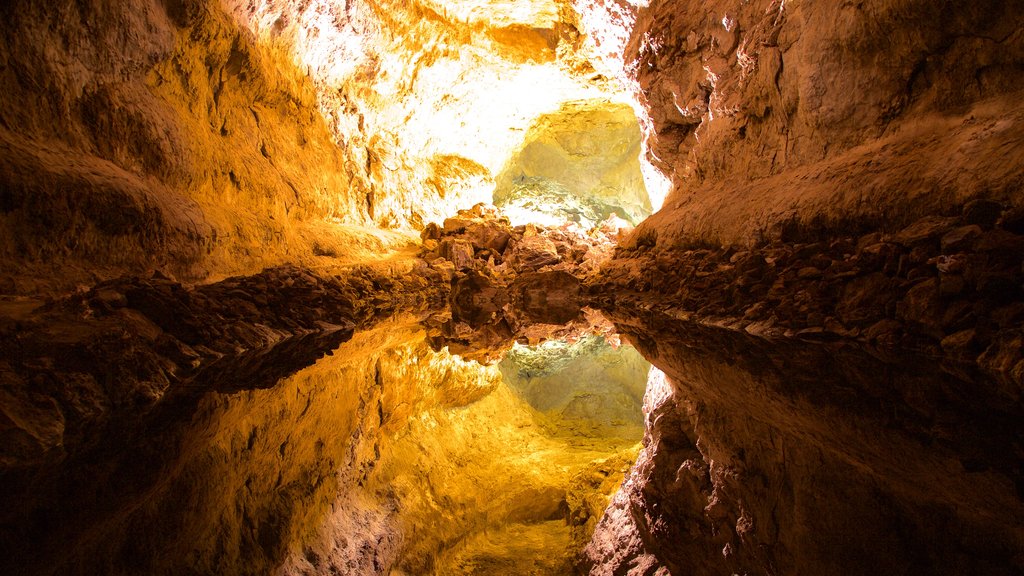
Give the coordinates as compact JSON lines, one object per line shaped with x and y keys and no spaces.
{"x":513,"y":283}
{"x":130,"y":345}
{"x":948,"y":287}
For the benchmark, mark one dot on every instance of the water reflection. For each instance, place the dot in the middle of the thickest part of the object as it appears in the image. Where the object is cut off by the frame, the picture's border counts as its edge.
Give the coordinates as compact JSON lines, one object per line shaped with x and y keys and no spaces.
{"x":784,"y":456}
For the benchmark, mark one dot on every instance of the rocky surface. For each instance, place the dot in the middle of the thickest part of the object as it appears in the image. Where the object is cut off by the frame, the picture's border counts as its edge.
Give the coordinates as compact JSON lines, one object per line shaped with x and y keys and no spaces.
{"x":579,"y":164}
{"x":165,"y":137}
{"x":299,"y":418}
{"x":832,"y":291}
{"x":772,"y":111}
{"x":781,"y":456}
{"x":429,"y":99}
{"x":819,"y":379}
{"x":509,"y":284}
{"x":88,"y":375}
{"x":947,"y":287}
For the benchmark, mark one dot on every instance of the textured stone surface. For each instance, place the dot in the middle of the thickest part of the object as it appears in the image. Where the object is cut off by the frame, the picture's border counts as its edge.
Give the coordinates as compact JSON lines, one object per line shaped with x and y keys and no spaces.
{"x":766,"y":113}
{"x":165,"y":137}
{"x":833,"y":290}
{"x":580,"y":164}
{"x":773,"y":456}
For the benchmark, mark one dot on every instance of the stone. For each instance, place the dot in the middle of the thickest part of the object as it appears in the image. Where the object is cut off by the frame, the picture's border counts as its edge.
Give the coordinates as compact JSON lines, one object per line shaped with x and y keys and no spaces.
{"x":431,"y":232}
{"x":457,"y":251}
{"x":921,"y":306}
{"x":960,"y":239}
{"x":1013,"y":220}
{"x":959,"y":344}
{"x":865,"y":299}
{"x":983,"y":213}
{"x":925,"y":230}
{"x":534,"y":252}
{"x":951,"y":285}
{"x":808,"y":273}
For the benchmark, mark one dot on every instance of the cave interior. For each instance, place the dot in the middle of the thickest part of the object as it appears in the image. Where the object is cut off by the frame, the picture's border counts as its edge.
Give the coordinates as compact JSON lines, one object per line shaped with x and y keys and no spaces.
{"x":511,"y":287}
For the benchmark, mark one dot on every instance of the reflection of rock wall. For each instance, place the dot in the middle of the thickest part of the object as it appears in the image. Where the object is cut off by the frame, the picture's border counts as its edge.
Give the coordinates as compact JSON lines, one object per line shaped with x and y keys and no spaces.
{"x":773,"y":456}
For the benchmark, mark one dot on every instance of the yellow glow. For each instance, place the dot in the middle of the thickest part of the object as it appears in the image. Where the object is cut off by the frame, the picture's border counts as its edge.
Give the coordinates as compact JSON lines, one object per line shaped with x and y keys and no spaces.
{"x":537,"y":14}
{"x":518,"y":216}
{"x":399,"y":94}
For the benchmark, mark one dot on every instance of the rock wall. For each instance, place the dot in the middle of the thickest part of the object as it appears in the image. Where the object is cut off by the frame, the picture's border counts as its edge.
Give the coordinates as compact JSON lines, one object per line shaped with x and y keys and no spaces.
{"x":782,"y":457}
{"x":854,"y":171}
{"x":164,"y":136}
{"x":430,"y":98}
{"x":778,"y":111}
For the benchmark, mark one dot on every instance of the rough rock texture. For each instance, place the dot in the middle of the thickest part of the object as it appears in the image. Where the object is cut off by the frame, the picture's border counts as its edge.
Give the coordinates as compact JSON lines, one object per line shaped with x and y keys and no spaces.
{"x":512,"y":284}
{"x":165,"y":137}
{"x":149,"y":427}
{"x":111,"y":398}
{"x":580,"y":164}
{"x":778,"y":456}
{"x":589,"y":384}
{"x":429,"y":98}
{"x":943,"y":286}
{"x":833,"y":289}
{"x":771,"y":111}
{"x":209,"y":138}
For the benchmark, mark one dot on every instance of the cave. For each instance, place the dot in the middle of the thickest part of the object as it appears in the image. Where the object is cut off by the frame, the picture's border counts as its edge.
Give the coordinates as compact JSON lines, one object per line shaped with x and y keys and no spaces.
{"x":503,"y":288}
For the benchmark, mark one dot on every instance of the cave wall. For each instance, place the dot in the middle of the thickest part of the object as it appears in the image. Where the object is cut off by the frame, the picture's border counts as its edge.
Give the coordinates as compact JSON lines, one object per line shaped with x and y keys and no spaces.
{"x":429,"y":97}
{"x":162,"y":136}
{"x":826,"y":409}
{"x":209,"y":138}
{"x":771,"y":113}
{"x":772,"y":457}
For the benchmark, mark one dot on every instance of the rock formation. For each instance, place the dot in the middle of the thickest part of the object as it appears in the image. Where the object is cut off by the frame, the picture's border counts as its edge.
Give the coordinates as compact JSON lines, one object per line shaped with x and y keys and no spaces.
{"x":338,"y":287}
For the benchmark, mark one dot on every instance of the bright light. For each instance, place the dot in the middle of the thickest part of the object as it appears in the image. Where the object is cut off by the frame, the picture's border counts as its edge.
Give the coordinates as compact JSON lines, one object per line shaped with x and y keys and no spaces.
{"x":399,"y":96}
{"x":519,"y":216}
{"x":658,"y":185}
{"x":658,"y":390}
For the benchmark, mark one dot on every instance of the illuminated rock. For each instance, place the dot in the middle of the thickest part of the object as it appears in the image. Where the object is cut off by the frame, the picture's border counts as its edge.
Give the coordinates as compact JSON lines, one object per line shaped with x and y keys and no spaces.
{"x":580,"y":164}
{"x":257,"y":314}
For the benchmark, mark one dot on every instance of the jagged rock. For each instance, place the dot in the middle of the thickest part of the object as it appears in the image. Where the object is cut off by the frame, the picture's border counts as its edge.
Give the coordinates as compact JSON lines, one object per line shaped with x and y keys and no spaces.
{"x":960,"y":239}
{"x":983,"y":213}
{"x":457,"y":251}
{"x":534,"y":252}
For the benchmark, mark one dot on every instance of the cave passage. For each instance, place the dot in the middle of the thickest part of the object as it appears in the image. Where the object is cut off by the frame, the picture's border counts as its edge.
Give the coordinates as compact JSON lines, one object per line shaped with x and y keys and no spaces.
{"x":511,"y":288}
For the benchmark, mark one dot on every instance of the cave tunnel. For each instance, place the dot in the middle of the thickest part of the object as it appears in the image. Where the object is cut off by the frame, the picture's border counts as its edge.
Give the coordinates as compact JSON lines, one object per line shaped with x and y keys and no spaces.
{"x":503,"y":288}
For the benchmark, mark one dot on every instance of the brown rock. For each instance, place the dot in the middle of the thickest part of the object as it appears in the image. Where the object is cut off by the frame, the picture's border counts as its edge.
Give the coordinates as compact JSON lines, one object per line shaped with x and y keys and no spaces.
{"x":808,"y":273}
{"x":951,"y":285}
{"x":927,"y":229}
{"x":960,"y":344}
{"x":960,"y":239}
{"x":920,"y":305}
{"x":457,"y":251}
{"x":1013,"y":220}
{"x":430,"y":232}
{"x":983,"y":213}
{"x":534,"y":252}
{"x":865,"y":299}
